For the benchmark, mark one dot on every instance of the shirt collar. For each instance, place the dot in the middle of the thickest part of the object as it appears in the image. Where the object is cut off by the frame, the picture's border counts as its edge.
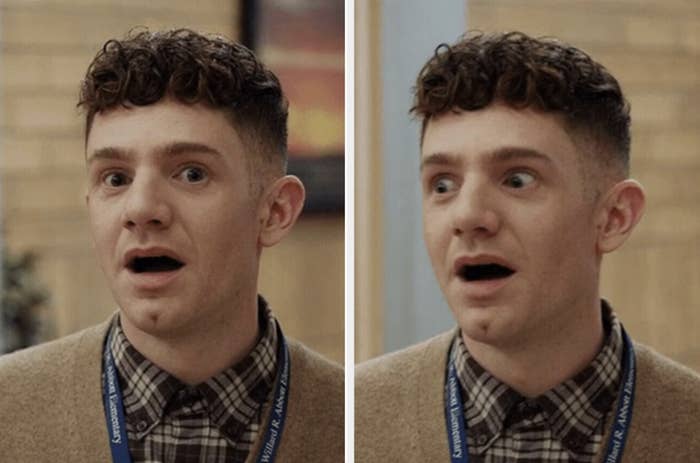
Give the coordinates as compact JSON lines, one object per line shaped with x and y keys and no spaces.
{"x":574,"y":409}
{"x":233,"y":397}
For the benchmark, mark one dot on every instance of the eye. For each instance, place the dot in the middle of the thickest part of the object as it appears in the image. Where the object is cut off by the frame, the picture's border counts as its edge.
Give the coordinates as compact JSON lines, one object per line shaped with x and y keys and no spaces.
{"x":519,"y":179}
{"x":443,"y":185}
{"x":193,"y":174}
{"x":115,"y":179}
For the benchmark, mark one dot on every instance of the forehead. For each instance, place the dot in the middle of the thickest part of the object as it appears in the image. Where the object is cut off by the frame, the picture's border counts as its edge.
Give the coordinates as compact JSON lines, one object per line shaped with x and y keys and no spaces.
{"x":498,"y":133}
{"x":140,"y":130}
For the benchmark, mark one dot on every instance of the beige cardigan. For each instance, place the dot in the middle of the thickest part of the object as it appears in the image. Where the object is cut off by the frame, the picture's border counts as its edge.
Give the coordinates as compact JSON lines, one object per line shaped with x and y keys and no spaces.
{"x":399,"y":411}
{"x":51,"y":406}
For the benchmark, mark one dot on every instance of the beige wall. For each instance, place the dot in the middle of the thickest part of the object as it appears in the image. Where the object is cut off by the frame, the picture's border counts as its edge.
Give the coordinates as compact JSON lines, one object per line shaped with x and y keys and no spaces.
{"x":653,"y":48}
{"x":46,"y":48}
{"x":369,"y":321}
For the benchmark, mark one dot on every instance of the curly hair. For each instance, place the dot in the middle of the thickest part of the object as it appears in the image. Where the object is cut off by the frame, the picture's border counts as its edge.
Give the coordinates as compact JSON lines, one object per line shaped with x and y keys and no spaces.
{"x":146,"y":67}
{"x":524,"y":72}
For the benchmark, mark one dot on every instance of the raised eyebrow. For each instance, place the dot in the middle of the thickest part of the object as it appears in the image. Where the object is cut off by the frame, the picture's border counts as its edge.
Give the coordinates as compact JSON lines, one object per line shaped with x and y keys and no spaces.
{"x":438,"y":159}
{"x":516,"y":153}
{"x":180,"y":148}
{"x":109,"y":153}
{"x":171,"y":149}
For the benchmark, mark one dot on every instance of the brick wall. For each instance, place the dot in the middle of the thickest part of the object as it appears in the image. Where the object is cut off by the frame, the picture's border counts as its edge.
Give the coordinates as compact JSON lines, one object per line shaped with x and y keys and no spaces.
{"x":45,"y":48}
{"x":653,"y":48}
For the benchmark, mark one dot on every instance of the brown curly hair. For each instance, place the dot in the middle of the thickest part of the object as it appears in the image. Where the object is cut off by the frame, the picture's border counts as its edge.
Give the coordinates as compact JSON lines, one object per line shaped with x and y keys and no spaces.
{"x":520,"y":71}
{"x":146,"y":67}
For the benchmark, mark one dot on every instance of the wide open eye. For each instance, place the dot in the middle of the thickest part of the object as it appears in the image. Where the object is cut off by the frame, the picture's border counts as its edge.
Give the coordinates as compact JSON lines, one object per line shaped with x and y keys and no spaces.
{"x":519,"y":179}
{"x":443,"y":185}
{"x":193,"y":174}
{"x":115,"y":179}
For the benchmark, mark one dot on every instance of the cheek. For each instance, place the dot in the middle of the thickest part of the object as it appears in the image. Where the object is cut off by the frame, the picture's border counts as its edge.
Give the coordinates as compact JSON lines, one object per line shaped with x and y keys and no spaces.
{"x":565,"y":245}
{"x":226,"y":239}
{"x":430,"y":234}
{"x":104,"y":233}
{"x":436,"y":235}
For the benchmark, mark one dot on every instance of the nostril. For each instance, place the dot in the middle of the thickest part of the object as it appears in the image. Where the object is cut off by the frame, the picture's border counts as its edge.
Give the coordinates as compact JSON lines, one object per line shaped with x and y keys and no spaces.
{"x":156,"y":217}
{"x":152,"y":223}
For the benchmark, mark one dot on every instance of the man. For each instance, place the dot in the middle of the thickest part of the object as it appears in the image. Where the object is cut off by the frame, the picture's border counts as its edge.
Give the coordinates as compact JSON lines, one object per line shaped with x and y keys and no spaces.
{"x":524,"y":172}
{"x":186,"y":152}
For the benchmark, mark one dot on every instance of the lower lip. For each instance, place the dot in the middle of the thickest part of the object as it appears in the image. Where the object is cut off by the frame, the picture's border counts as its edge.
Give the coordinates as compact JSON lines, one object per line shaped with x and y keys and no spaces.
{"x":152,"y":281}
{"x":483,"y":289}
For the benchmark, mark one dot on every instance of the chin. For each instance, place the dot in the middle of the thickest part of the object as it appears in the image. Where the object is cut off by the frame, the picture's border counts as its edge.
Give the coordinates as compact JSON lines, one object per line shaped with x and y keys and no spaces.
{"x":484,"y":325}
{"x":155,"y":318}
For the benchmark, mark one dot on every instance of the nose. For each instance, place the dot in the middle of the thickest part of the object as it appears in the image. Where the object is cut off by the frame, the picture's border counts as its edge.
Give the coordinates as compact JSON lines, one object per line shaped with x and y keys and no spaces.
{"x":146,"y":204}
{"x":475,"y":214}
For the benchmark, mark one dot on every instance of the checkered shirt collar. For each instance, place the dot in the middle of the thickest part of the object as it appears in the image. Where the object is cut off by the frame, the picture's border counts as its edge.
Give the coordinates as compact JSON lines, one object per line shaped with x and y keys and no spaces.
{"x":573,"y":408}
{"x":234,"y":397}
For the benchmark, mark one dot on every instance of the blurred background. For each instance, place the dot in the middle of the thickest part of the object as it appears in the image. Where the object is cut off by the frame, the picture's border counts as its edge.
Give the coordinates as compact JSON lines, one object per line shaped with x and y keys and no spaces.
{"x":52,"y":283}
{"x":651,"y":46}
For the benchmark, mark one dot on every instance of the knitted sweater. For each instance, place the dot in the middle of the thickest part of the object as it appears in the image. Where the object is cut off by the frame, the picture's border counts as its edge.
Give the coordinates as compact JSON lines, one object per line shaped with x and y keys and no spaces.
{"x":400,"y":413}
{"x":51,"y":405}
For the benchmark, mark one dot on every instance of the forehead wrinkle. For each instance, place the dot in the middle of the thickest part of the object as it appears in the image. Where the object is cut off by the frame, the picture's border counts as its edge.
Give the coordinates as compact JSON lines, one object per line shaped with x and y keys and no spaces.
{"x":110,"y":153}
{"x":173,"y":149}
{"x":439,"y":159}
{"x":179,"y":148}
{"x":510,"y":153}
{"x":498,"y":155}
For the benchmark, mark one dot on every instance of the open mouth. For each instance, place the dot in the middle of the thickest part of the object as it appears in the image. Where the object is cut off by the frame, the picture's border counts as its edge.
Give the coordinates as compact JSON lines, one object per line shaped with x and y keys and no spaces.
{"x":482,"y":272}
{"x":154,"y":264}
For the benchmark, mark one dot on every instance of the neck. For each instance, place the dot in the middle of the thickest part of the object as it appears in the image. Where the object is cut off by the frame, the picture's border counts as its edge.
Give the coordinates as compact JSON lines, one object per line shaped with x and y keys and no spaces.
{"x":202,"y":352}
{"x":535,"y":366}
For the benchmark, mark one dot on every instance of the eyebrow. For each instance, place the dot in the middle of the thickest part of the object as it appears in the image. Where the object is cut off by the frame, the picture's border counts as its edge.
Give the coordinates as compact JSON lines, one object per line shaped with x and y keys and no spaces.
{"x":173,"y":149}
{"x":504,"y":154}
{"x":438,"y":159}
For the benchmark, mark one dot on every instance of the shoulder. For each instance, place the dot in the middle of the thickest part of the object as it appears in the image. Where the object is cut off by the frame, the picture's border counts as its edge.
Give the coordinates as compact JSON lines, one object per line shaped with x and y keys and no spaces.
{"x":42,"y":387}
{"x":398,"y":403}
{"x":26,"y":365}
{"x":666,"y":412}
{"x":316,"y":382}
{"x":664,"y":379}
{"x":394,"y":369}
{"x":314,"y":430}
{"x":313,"y":370}
{"x":398,"y":380}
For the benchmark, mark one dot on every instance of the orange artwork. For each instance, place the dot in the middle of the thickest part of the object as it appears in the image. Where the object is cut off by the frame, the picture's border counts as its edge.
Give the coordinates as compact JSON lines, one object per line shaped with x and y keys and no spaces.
{"x":303,"y":43}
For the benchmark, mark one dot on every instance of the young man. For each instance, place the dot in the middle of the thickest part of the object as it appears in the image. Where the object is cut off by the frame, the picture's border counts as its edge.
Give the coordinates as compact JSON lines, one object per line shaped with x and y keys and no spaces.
{"x":186,"y":152}
{"x":524,"y":172}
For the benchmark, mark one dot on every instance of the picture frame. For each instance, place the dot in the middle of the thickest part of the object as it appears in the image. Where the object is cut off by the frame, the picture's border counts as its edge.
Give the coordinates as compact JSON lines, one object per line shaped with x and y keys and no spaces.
{"x":302,"y":42}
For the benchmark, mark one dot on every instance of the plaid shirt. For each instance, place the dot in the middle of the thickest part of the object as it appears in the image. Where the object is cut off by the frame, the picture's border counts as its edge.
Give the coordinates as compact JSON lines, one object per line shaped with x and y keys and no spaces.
{"x":565,"y":424}
{"x":215,"y":421}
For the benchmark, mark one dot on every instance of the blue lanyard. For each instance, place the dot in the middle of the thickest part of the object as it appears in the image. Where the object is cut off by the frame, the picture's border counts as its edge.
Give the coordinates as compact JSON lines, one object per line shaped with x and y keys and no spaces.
{"x":457,"y":429}
{"x":114,"y":408}
{"x":273,"y":434}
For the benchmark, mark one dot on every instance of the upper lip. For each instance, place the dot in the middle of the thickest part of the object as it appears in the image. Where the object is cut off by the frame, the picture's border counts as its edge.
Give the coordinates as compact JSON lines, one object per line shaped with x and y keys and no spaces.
{"x":480,"y":259}
{"x":152,"y":251}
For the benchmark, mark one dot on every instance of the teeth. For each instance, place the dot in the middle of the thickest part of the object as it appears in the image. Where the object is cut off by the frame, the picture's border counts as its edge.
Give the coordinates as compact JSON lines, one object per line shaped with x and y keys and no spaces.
{"x":154,"y":264}
{"x":484,"y":272}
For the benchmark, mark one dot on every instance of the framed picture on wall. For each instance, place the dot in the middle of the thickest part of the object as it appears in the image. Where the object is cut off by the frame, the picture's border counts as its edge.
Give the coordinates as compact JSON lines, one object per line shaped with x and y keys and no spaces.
{"x":302,"y":41}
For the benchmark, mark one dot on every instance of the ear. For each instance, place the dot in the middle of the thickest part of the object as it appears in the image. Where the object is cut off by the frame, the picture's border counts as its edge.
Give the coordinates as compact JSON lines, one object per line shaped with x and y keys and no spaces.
{"x":280,"y":207}
{"x":621,"y":209}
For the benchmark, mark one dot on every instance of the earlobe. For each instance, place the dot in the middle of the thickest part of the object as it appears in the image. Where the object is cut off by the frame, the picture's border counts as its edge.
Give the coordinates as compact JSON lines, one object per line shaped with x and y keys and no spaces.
{"x":282,"y":204}
{"x":621,"y":210}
